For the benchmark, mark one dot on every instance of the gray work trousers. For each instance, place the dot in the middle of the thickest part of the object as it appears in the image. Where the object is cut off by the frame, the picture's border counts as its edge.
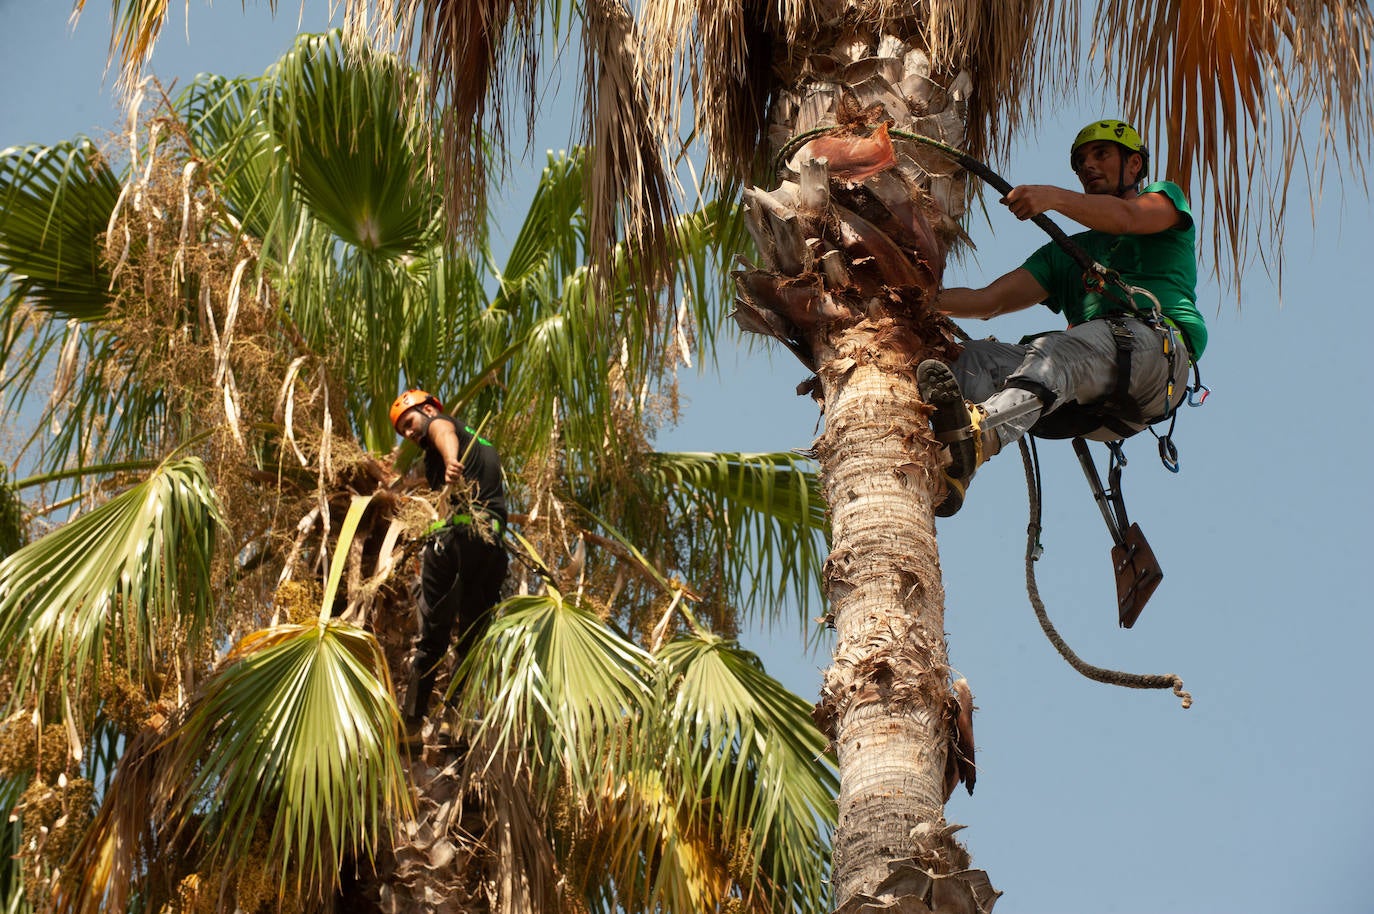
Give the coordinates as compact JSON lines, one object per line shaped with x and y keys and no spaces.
{"x":1077,"y":365}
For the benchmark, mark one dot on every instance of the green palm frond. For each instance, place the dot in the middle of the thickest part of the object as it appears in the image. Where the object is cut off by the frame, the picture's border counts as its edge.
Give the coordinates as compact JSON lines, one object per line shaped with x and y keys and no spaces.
{"x":727,"y":796}
{"x":357,"y":161}
{"x":134,"y":570}
{"x":594,"y":360}
{"x":706,"y":241}
{"x":225,"y":121}
{"x":552,"y":677}
{"x":562,"y":375}
{"x":55,"y":203}
{"x":109,"y":412}
{"x":749,"y":746}
{"x":320,"y":159}
{"x":471,"y":51}
{"x":682,"y":765}
{"x":548,"y":245}
{"x":762,"y":516}
{"x":12,"y":898}
{"x":298,"y":733}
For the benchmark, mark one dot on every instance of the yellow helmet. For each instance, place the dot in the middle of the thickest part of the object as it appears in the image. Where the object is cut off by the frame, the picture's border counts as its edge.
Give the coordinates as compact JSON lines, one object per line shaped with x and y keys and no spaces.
{"x":1119,"y":132}
{"x":409,"y":400}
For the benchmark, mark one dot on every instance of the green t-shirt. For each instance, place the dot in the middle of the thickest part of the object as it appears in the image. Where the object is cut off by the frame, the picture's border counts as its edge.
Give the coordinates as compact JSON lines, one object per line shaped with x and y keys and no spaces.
{"x":1165,"y":263}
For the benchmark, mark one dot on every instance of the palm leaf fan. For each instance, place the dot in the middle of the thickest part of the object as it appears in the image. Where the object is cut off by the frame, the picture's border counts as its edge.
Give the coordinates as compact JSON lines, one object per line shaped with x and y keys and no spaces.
{"x":356,"y":159}
{"x":133,"y":568}
{"x":55,"y":204}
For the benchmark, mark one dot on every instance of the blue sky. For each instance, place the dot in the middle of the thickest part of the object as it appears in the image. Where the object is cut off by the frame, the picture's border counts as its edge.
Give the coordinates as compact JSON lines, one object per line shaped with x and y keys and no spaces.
{"x":1090,"y":798}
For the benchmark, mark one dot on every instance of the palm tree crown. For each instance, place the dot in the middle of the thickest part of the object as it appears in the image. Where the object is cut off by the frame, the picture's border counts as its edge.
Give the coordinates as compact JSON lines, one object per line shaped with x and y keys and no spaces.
{"x":200,"y":657}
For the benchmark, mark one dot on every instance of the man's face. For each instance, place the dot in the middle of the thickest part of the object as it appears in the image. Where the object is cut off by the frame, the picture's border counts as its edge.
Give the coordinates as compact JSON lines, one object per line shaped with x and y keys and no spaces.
{"x":413,"y":422}
{"x":1098,"y":166}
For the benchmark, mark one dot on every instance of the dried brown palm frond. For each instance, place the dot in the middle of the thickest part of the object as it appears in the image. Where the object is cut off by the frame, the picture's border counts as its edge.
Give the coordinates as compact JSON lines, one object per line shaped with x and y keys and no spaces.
{"x":627,"y":177}
{"x":733,"y":54}
{"x":719,"y":54}
{"x":1021,"y":55}
{"x":470,"y":51}
{"x":1233,"y":84}
{"x":137,"y":25}
{"x":121,"y":841}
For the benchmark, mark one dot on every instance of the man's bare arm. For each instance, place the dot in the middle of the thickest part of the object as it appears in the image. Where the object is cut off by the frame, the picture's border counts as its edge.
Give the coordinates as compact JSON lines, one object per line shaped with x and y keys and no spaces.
{"x":1015,"y":291}
{"x":444,"y":437}
{"x":1142,"y":215}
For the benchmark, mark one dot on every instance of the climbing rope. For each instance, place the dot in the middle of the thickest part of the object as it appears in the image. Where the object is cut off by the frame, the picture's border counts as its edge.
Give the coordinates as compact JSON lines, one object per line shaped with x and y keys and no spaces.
{"x":1095,"y":673}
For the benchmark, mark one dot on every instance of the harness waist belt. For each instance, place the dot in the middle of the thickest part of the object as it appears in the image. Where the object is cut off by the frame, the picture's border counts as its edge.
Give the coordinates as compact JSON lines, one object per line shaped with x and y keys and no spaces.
{"x":498,"y":524}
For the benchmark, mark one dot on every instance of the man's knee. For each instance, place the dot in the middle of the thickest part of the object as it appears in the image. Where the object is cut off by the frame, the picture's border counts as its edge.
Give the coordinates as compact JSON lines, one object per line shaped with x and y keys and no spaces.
{"x":1046,"y":396}
{"x":983,"y":365}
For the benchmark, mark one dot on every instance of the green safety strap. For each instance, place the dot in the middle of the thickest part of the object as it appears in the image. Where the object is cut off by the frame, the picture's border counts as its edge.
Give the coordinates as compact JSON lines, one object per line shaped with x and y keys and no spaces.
{"x":459,"y":520}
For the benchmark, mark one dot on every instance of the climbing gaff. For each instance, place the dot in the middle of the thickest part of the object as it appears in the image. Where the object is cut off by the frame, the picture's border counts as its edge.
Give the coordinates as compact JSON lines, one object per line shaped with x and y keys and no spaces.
{"x":1134,"y":566}
{"x":1138,"y":575}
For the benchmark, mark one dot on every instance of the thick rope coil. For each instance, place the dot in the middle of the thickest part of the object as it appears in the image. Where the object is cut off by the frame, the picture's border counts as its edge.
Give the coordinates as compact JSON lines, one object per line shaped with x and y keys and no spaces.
{"x":1095,"y":673}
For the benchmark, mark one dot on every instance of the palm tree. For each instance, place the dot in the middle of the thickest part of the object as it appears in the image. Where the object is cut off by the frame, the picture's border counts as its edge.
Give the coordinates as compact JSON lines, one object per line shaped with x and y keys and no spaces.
{"x":200,"y":642}
{"x":812,"y":107}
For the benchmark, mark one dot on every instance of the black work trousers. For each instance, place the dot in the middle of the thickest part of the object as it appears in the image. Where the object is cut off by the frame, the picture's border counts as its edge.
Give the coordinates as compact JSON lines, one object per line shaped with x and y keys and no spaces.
{"x":460,"y":581}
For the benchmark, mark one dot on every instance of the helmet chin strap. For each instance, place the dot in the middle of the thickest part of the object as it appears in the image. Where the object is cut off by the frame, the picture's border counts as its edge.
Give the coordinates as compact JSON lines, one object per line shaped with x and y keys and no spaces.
{"x":1121,"y":185}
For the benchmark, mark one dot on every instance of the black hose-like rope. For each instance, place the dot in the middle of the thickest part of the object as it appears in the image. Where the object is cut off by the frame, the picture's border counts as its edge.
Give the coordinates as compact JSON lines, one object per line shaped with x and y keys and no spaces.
{"x":968,"y":163}
{"x":1095,"y":673}
{"x":1003,"y":186}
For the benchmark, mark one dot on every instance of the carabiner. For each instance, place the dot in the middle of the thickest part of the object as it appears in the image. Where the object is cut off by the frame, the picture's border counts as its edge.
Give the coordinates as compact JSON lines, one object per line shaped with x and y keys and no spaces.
{"x":1168,"y":453}
{"x":1118,"y":455}
{"x":1192,"y":391}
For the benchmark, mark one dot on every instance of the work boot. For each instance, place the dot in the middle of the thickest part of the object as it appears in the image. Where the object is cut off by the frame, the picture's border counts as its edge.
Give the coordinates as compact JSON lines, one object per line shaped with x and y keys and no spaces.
{"x":958,"y":427}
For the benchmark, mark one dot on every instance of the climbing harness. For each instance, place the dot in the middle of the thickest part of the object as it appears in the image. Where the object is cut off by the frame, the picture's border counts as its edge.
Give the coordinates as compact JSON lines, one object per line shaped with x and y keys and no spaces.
{"x":474,"y":521}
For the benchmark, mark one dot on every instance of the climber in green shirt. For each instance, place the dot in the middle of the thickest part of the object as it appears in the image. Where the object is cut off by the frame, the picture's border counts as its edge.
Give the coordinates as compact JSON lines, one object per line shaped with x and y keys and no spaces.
{"x":1123,"y":361}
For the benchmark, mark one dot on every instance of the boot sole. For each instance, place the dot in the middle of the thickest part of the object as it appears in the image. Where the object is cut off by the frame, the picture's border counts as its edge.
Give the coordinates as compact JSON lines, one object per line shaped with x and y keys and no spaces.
{"x":951,"y":420}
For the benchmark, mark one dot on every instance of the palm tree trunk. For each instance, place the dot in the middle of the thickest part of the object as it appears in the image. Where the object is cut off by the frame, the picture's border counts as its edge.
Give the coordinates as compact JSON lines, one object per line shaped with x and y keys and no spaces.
{"x":887,"y":690}
{"x":853,"y":242}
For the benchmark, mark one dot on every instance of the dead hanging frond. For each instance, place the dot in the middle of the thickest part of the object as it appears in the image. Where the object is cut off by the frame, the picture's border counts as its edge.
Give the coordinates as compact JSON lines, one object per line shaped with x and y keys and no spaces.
{"x":1018,"y":53}
{"x":1022,"y":54}
{"x":628,"y":190}
{"x":137,"y":24}
{"x":628,"y":186}
{"x":1234,"y":84}
{"x":192,"y":341}
{"x":720,"y":54}
{"x":105,"y":864}
{"x":469,"y":52}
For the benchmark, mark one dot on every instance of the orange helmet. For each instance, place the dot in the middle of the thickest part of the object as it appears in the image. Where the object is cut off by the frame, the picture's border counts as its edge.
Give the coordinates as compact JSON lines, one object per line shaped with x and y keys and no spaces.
{"x":409,"y":400}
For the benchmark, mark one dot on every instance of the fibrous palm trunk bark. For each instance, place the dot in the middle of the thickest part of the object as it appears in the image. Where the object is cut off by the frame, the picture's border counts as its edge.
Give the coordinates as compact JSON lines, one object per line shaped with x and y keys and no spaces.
{"x":853,"y":241}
